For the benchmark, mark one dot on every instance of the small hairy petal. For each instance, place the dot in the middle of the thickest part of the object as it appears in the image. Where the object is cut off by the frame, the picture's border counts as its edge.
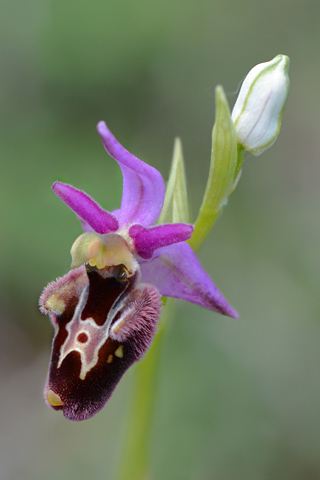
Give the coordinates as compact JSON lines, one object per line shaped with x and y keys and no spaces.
{"x":138,"y":323}
{"x":177,"y":273}
{"x":87,"y":209}
{"x":147,"y":240}
{"x":63,"y":293}
{"x":143,"y":186}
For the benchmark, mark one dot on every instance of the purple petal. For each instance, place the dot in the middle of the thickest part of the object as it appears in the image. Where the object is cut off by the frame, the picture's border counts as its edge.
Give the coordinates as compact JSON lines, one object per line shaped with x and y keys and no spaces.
{"x":143,"y":186}
{"x":147,"y":240}
{"x":89,"y":211}
{"x":85,"y":226}
{"x":177,"y":273}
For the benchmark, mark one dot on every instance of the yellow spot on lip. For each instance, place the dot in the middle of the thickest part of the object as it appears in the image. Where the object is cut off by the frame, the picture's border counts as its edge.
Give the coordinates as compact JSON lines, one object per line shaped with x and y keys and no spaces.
{"x":110,"y":358}
{"x":53,"y":399}
{"x":55,"y":304}
{"x":119,"y":351}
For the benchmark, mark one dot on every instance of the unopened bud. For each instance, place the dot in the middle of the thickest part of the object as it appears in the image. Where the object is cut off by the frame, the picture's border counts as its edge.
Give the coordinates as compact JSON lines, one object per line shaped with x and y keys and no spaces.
{"x":257,"y":113}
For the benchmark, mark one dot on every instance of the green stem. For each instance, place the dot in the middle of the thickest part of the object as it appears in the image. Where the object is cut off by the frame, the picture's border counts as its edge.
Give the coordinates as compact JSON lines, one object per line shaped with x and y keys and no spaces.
{"x":135,"y":453}
{"x":240,"y":151}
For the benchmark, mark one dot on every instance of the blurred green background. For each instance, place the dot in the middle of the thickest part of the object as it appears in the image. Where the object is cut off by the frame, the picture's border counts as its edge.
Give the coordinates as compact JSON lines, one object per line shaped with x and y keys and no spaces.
{"x":237,"y":400}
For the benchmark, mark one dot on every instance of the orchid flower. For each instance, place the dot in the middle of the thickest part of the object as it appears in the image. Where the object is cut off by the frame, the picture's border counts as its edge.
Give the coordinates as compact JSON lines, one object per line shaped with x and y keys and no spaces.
{"x":105,"y":311}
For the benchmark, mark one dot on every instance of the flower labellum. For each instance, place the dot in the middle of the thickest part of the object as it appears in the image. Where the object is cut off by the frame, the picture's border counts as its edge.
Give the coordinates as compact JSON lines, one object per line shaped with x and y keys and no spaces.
{"x":104,"y":321}
{"x":105,"y":311}
{"x":257,"y":113}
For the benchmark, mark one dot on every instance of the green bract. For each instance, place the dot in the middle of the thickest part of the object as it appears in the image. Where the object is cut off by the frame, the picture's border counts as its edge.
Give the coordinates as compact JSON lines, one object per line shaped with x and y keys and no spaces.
{"x":176,"y":204}
{"x":223,"y":170}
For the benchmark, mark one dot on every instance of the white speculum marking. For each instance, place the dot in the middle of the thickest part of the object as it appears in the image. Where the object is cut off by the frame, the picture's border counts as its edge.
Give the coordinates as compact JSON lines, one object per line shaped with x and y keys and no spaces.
{"x":85,"y":337}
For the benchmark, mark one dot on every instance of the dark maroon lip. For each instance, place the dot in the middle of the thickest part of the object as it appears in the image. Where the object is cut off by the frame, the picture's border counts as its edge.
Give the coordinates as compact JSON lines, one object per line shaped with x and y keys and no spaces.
{"x":105,"y":326}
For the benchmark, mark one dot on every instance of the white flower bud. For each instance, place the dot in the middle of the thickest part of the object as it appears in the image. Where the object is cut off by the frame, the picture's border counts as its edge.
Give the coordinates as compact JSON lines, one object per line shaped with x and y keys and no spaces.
{"x":258,"y":110}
